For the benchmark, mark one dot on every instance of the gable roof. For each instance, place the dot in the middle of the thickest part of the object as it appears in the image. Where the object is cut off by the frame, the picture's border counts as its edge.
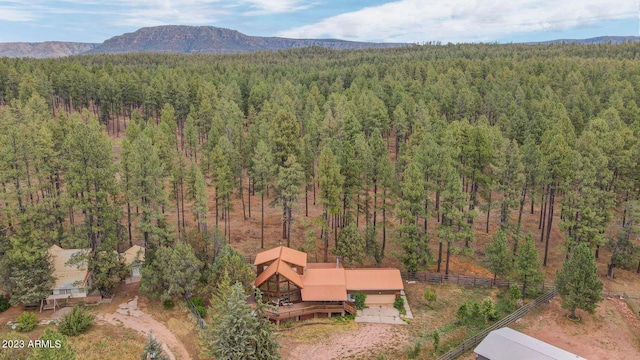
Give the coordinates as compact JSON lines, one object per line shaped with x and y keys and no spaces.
{"x":324,"y":284}
{"x":284,"y":253}
{"x":68,"y":276}
{"x":508,"y":344}
{"x":282,"y":268}
{"x":323,"y":281}
{"x":133,"y":252}
{"x":373,"y":279}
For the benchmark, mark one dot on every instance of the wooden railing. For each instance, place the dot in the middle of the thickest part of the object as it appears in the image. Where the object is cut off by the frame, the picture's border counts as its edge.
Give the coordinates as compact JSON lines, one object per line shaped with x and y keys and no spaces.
{"x":282,"y":314}
{"x":473,"y":341}
{"x":350,"y":308}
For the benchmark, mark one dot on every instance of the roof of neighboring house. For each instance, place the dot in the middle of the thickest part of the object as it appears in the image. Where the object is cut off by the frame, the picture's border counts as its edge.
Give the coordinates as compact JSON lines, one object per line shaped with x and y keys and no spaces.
{"x":508,"y":344}
{"x":373,"y":279}
{"x":283,"y":253}
{"x":324,"y":284}
{"x":68,"y":276}
{"x":132,"y":253}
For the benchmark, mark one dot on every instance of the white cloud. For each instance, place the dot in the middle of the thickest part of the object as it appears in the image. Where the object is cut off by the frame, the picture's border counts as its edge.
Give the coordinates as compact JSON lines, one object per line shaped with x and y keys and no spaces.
{"x":263,"y":7}
{"x":8,"y":13}
{"x":463,"y":20}
{"x":122,"y":12}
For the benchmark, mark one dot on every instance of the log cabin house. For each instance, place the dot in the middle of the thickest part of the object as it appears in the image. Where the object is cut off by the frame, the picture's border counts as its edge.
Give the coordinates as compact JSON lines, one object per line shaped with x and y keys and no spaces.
{"x":302,"y":290}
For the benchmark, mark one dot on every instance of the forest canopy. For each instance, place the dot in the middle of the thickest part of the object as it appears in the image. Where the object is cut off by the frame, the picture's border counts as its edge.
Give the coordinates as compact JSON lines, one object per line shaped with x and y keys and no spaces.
{"x":105,"y":151}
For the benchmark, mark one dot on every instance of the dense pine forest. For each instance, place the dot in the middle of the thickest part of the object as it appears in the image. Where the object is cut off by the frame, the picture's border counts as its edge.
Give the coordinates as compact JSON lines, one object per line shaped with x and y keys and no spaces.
{"x":394,"y":156}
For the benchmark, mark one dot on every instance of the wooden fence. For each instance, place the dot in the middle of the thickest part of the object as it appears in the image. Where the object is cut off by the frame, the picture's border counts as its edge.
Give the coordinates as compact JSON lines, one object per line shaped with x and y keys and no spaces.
{"x":473,"y":341}
{"x":474,"y":281}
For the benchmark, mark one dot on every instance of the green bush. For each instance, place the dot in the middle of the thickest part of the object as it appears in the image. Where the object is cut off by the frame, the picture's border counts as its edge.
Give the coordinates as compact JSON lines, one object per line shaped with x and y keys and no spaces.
{"x":430,"y":296}
{"x":514,"y":293}
{"x":4,"y":303}
{"x":399,"y":304}
{"x":463,"y":312}
{"x":199,"y":305}
{"x":197,"y":301}
{"x":26,"y":322}
{"x":201,"y":310}
{"x":168,"y":304}
{"x":75,"y":321}
{"x":488,"y":310}
{"x":360,"y":300}
{"x":436,"y":340}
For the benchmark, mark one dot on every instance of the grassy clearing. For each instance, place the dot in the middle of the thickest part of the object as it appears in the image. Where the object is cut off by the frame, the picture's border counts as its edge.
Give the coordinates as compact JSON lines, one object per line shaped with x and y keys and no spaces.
{"x":441,"y":314}
{"x":105,"y":342}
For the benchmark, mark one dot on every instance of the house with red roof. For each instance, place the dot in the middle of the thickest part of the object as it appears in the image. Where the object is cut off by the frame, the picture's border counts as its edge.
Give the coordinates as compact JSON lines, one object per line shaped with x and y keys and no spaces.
{"x":302,"y":290}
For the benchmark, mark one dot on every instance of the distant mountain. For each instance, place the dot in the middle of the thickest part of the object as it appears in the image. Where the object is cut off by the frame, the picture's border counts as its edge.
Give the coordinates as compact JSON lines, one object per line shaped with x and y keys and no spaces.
{"x":596,"y":40}
{"x":213,"y":40}
{"x":179,"y":39}
{"x":47,"y":49}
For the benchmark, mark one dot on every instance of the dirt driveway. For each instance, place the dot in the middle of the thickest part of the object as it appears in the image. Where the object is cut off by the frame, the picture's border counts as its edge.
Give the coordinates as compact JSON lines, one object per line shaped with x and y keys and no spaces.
{"x":129,"y":315}
{"x":362,"y":341}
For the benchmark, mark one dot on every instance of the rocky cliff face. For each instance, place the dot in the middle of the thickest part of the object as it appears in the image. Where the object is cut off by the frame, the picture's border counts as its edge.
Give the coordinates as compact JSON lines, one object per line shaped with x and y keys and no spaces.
{"x":212,"y":40}
{"x":177,"y":39}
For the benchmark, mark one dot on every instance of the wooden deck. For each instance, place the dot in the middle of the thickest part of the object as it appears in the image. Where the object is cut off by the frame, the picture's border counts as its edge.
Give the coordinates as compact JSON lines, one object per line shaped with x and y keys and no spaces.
{"x":300,"y":309}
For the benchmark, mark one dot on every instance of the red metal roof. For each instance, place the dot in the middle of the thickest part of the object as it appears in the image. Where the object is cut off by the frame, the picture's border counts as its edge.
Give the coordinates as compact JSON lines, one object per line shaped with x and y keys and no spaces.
{"x":324,"y":285}
{"x":284,"y":253}
{"x":282,"y":268}
{"x":324,"y":281}
{"x":373,"y":279}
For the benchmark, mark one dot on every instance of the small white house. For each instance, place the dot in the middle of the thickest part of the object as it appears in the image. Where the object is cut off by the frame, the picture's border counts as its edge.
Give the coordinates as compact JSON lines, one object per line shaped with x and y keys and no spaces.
{"x":72,"y":279}
{"x":508,"y":344}
{"x":134,"y":258}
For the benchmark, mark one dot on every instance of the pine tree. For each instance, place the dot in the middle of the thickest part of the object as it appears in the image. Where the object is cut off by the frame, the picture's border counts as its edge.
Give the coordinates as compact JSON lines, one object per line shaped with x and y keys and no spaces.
{"x":527,"y":265}
{"x":330,"y":181}
{"x":196,"y":191}
{"x":153,"y":350}
{"x":351,"y":245}
{"x":454,"y":225}
{"x":266,"y":343}
{"x":262,"y":173}
{"x":147,"y":189}
{"x":577,"y":282}
{"x":237,"y":334}
{"x":91,"y":182}
{"x":290,"y":179}
{"x":498,"y":255}
{"x":173,"y":272}
{"x":510,"y":175}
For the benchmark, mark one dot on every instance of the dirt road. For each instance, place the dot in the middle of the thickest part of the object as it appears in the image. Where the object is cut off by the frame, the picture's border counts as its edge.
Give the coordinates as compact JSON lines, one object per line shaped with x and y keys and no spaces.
{"x":129,"y":315}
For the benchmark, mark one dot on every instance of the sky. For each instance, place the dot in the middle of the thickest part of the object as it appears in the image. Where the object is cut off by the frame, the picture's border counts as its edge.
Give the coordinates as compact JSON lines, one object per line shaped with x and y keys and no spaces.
{"x":409,"y":21}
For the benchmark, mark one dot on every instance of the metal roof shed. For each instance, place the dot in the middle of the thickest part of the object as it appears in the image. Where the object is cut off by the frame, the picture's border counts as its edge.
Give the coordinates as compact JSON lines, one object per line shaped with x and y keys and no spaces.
{"x":508,"y":344}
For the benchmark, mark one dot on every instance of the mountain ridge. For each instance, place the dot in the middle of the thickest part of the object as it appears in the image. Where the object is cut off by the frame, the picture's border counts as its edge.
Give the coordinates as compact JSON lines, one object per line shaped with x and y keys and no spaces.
{"x":180,"y":39}
{"x":183,"y":39}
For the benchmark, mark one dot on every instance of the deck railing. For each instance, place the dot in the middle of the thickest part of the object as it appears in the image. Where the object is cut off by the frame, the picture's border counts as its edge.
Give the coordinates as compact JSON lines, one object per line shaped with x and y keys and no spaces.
{"x":283,"y":313}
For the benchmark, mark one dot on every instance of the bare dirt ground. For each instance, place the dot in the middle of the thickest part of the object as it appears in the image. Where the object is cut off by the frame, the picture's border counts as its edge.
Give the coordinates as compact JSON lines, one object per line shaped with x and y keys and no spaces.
{"x":613,"y":332}
{"x":353,"y":341}
{"x":130,"y":316}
